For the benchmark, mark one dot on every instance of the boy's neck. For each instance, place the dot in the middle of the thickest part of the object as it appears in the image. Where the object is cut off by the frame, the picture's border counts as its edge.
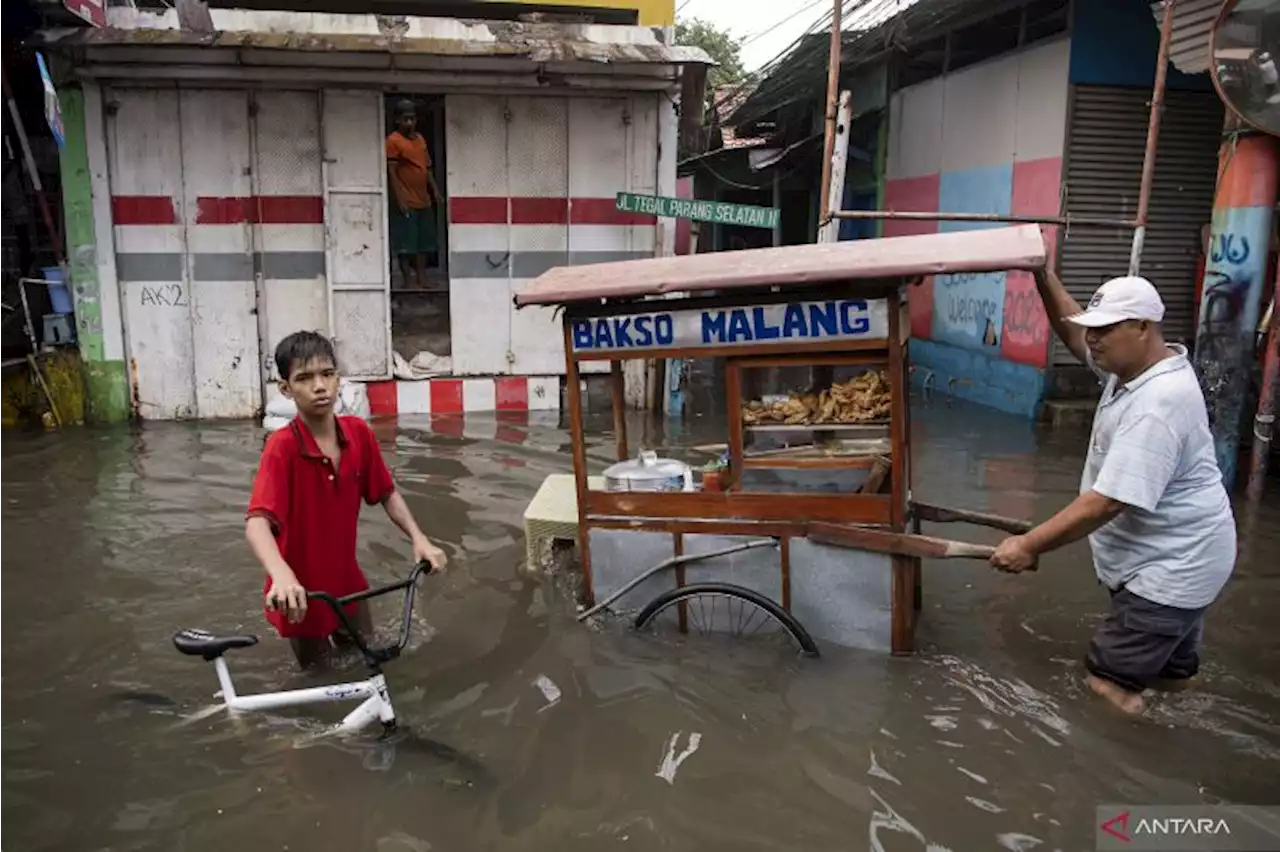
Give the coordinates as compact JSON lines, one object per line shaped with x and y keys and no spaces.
{"x":320,"y":426}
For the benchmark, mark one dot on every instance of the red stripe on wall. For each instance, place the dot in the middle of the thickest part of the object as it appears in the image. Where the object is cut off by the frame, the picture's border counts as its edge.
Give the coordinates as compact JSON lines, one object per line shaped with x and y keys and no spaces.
{"x":143,"y":210}
{"x":446,"y":396}
{"x":290,"y":210}
{"x":383,"y":398}
{"x":512,"y":393}
{"x":223,"y":211}
{"x":604,"y":211}
{"x":261,"y":210}
{"x":478,"y":210}
{"x":539,"y":211}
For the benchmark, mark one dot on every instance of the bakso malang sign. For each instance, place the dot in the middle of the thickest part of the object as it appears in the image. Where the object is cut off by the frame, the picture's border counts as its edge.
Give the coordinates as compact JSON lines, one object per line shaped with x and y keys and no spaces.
{"x":782,"y":323}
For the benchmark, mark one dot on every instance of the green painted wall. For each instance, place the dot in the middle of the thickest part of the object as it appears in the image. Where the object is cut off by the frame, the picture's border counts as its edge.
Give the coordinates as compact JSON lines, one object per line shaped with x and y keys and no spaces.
{"x":106,"y":383}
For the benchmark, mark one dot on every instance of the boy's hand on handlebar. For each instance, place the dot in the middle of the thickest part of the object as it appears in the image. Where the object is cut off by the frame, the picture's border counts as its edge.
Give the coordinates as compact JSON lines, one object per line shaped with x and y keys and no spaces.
{"x":289,"y":596}
{"x":425,"y":551}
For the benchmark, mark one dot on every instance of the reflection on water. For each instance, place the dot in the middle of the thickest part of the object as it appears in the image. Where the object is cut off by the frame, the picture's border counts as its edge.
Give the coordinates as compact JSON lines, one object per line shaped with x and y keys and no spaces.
{"x":526,"y":730}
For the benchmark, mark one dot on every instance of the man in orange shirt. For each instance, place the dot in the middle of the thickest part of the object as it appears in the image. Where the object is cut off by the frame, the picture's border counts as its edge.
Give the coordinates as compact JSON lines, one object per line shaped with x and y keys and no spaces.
{"x":413,"y":191}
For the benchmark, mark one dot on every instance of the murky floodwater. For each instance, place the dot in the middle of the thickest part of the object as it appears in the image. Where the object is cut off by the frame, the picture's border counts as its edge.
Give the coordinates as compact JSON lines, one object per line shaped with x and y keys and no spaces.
{"x":984,"y":741}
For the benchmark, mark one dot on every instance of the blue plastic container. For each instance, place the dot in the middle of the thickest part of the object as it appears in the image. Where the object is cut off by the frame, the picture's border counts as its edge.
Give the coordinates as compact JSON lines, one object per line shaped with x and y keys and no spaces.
{"x":59,"y":293}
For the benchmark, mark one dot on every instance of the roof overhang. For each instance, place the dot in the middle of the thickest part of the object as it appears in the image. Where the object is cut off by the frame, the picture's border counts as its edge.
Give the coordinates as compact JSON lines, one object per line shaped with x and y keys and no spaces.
{"x":1193,"y":22}
{"x":987,"y":250}
{"x":368,"y":49}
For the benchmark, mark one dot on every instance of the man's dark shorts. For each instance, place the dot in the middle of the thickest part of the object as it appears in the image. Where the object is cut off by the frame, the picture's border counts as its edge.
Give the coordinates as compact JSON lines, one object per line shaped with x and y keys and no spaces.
{"x":413,"y":231}
{"x":1141,"y":641}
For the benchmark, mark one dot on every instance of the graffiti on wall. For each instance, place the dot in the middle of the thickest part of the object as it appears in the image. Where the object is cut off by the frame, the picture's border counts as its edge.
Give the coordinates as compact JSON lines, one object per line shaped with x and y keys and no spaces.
{"x":968,"y":309}
{"x":1228,"y":311}
{"x":1026,"y":326}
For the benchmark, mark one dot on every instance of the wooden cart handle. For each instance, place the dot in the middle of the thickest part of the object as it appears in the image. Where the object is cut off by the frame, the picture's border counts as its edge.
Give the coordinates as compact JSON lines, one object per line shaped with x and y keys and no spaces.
{"x":942,"y":514}
{"x":901,"y":544}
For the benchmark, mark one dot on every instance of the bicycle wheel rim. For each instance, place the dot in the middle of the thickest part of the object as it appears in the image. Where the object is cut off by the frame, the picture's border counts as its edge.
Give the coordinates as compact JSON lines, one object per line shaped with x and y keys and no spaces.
{"x":723,"y":608}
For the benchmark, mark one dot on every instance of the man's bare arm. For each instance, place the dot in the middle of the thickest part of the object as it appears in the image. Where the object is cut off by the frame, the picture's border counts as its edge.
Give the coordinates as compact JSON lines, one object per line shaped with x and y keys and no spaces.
{"x":1058,"y":305}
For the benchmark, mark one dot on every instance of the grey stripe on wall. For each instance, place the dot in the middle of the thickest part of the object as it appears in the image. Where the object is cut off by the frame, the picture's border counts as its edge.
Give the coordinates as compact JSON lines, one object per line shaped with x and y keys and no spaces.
{"x":528,"y":264}
{"x":219,"y":266}
{"x":298,"y":265}
{"x":148,"y":267}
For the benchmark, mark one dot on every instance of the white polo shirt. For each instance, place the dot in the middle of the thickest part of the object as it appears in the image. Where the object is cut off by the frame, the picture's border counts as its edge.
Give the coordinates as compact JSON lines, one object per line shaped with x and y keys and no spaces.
{"x":1151,"y":449}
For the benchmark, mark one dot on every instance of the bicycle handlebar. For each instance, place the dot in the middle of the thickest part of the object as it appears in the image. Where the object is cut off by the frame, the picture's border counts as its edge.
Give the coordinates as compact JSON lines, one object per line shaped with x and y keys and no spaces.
{"x":375,"y":656}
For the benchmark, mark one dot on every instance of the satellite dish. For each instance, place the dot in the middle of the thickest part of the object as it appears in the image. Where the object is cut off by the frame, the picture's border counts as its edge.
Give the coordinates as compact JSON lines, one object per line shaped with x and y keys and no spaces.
{"x":1245,"y":61}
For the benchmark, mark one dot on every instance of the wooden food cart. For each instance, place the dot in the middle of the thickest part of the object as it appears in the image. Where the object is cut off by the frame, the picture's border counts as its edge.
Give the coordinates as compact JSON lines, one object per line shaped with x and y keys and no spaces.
{"x":821,"y":466}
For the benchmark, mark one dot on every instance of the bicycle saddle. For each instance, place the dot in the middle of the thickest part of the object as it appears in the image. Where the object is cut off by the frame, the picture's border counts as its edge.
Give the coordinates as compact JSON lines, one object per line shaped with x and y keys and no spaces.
{"x":201,"y":643}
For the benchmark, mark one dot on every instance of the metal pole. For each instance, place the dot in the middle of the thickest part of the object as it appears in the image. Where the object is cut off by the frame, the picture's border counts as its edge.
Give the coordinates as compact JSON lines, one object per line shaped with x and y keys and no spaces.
{"x":1265,"y":419}
{"x":1232,"y":299}
{"x":829,"y":231}
{"x":829,"y":132}
{"x":777,"y":202}
{"x":1153,"y":134}
{"x":1071,"y":221}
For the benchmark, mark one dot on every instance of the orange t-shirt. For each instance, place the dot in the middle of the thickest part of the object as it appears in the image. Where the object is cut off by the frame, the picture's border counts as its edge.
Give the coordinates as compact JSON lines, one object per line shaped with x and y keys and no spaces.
{"x":410,"y":162}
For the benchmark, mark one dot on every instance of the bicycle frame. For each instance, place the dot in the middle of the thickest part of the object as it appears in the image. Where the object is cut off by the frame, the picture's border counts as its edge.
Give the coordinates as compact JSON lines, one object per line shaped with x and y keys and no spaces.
{"x":376,"y":703}
{"x":375,"y":707}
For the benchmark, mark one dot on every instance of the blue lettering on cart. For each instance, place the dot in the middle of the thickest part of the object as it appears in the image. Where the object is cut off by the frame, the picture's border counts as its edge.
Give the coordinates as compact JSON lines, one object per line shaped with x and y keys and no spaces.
{"x":624,"y":332}
{"x":829,"y":319}
{"x":762,"y":329}
{"x":796,"y":321}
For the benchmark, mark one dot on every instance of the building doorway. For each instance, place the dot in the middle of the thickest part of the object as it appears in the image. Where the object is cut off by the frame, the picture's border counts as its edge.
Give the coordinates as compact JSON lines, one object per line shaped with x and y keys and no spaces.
{"x":418,"y":244}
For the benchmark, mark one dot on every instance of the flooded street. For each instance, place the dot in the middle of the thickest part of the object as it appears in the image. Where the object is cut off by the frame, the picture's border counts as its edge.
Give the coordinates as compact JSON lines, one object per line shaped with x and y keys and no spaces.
{"x":985,"y":740}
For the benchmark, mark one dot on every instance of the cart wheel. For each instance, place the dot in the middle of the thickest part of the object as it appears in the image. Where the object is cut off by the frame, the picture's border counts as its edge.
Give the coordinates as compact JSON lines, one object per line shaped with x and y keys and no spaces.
{"x":729,"y":609}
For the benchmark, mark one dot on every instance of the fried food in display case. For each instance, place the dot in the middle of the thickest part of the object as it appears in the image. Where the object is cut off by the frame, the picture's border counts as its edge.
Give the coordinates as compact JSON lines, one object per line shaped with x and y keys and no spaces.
{"x":864,"y":399}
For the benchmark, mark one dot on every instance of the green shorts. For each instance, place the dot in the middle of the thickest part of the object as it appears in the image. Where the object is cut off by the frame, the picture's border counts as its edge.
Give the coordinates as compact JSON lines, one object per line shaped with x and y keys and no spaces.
{"x":413,"y":232}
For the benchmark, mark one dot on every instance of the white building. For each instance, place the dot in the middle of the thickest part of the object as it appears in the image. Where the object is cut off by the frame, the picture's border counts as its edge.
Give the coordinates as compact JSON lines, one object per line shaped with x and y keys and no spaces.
{"x":238,"y":186}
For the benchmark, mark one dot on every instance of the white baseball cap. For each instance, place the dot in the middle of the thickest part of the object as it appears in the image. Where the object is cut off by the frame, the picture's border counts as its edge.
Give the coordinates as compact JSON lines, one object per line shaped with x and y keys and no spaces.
{"x":1120,"y":299}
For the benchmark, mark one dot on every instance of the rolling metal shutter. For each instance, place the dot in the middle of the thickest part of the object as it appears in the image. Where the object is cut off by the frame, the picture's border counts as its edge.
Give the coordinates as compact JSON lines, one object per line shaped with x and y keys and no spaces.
{"x":1107,"y":138}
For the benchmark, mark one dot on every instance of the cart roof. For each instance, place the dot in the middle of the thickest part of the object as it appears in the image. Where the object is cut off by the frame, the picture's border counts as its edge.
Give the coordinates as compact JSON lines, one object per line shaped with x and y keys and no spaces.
{"x":986,"y":250}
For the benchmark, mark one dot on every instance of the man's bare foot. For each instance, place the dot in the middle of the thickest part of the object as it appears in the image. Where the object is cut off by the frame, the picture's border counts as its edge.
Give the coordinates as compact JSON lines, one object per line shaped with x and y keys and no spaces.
{"x":1128,"y":702}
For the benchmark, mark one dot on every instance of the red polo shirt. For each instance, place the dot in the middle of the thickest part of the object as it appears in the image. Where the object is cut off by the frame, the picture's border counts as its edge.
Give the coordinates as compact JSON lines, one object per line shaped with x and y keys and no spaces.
{"x":313,"y":509}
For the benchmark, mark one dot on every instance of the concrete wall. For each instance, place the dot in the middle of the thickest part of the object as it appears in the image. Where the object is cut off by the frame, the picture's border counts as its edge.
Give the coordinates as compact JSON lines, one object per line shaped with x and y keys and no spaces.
{"x":90,"y":267}
{"x":986,"y":139}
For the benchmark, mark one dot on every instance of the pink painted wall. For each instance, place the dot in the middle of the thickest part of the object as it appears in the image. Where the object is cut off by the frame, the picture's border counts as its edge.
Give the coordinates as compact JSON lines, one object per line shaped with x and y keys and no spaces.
{"x":986,"y":138}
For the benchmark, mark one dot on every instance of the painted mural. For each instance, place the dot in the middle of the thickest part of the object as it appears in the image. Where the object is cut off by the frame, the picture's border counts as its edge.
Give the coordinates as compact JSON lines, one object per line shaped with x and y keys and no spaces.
{"x":988,"y":139}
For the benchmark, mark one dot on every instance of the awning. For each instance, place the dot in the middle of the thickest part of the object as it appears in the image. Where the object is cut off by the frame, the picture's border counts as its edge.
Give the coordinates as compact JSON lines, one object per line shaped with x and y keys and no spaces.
{"x":1192,"y":23}
{"x":369,"y":49}
{"x":989,"y":250}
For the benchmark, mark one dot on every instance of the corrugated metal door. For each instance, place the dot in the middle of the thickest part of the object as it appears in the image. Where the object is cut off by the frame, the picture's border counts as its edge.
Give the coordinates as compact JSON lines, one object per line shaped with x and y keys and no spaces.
{"x":146,"y":193}
{"x":1103,"y":170}
{"x":179,"y":163}
{"x":289,"y":211}
{"x":216,"y":180}
{"x":479,"y":244}
{"x":532,"y":183}
{"x":355,"y":232}
{"x":538,"y":157}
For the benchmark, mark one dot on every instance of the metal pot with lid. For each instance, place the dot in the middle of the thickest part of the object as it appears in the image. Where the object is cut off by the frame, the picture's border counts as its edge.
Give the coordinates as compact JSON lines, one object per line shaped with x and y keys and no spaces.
{"x":649,"y":473}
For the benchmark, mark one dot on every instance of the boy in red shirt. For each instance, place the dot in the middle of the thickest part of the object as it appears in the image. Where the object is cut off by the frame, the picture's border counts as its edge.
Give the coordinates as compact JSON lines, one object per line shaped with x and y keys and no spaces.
{"x":301,"y":522}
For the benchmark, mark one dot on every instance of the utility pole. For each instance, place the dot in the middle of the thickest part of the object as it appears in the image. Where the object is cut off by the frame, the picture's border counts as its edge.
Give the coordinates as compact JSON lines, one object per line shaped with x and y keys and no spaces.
{"x":829,"y":132}
{"x":1234,"y":278}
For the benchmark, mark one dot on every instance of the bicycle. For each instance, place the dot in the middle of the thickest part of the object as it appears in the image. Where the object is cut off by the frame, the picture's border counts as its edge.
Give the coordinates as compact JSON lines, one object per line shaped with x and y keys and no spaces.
{"x":376,"y":704}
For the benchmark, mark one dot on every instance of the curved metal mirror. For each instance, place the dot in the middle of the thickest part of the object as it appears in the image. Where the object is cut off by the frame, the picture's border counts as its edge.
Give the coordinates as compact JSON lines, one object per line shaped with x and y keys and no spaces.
{"x":1245,"y":65}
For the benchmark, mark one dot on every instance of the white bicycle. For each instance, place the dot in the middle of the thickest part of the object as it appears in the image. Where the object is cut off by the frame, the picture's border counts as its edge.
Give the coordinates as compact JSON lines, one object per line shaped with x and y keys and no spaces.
{"x":372,"y":692}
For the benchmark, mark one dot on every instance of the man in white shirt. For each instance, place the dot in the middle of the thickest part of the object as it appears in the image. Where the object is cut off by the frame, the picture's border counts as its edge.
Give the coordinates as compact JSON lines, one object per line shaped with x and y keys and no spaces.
{"x":1151,"y":499}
